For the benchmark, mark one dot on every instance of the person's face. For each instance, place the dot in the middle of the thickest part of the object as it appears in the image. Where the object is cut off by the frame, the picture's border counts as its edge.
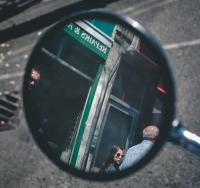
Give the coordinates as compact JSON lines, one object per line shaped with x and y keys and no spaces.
{"x":35,"y":75}
{"x":118,"y":156}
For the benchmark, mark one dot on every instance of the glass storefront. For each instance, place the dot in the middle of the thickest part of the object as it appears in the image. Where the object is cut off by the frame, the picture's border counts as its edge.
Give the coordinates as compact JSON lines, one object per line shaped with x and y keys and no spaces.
{"x":67,"y":75}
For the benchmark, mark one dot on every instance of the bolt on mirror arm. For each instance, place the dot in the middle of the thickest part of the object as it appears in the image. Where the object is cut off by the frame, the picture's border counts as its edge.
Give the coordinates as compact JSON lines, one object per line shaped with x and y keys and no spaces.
{"x":184,"y":138}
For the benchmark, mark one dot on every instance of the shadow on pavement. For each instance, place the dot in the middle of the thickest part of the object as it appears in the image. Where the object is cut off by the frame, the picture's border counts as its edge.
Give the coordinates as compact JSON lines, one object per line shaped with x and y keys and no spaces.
{"x":49,"y":18}
{"x":9,"y":8}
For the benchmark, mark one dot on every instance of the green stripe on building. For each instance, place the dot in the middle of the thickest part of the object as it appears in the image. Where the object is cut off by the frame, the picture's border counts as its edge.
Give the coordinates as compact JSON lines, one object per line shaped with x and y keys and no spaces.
{"x":84,"y":118}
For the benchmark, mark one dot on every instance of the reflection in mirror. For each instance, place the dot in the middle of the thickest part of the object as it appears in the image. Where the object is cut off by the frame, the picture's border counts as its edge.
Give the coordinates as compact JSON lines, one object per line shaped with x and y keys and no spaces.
{"x":94,"y":97}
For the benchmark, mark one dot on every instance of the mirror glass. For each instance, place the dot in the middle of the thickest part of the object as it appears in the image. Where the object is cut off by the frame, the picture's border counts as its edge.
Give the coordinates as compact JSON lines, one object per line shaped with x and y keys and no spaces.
{"x":94,"y":95}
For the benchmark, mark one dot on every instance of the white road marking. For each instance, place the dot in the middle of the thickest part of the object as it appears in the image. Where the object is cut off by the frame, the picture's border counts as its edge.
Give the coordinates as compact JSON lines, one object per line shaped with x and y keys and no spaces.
{"x":143,"y":10}
{"x":21,"y":50}
{"x":11,"y":75}
{"x":138,"y":6}
{"x":45,"y":1}
{"x":181,"y":44}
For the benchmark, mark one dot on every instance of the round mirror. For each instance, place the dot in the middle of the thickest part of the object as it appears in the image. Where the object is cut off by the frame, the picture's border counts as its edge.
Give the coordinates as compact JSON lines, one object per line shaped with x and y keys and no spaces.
{"x":98,"y":95}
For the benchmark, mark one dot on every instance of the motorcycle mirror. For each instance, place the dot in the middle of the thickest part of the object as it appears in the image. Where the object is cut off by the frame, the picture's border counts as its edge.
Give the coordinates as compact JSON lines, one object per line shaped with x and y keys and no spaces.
{"x":99,"y":95}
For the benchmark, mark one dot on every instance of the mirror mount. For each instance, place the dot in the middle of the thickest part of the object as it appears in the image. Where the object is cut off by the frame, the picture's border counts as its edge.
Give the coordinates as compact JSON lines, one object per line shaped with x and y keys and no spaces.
{"x":189,"y":141}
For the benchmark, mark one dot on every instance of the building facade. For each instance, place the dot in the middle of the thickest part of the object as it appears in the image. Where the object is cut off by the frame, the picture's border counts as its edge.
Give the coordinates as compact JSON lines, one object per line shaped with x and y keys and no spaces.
{"x":102,"y":83}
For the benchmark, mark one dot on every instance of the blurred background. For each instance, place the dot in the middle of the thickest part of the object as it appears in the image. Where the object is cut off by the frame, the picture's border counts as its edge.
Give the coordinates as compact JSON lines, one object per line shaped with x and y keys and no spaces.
{"x":175,"y":23}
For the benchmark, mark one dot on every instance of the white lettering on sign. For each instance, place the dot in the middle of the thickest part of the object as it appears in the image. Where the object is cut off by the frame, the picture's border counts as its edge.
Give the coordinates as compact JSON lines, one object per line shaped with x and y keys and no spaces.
{"x":70,"y":26}
{"x":104,"y":49}
{"x":94,"y":42}
{"x":88,"y":38}
{"x":77,"y":30}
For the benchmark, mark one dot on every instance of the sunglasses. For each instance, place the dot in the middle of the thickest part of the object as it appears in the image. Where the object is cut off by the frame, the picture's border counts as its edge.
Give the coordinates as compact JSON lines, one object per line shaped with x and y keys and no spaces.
{"x":119,"y":154}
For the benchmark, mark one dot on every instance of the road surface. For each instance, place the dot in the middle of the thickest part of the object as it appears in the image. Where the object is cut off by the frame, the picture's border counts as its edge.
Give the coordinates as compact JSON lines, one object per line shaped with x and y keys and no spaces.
{"x":176,"y":25}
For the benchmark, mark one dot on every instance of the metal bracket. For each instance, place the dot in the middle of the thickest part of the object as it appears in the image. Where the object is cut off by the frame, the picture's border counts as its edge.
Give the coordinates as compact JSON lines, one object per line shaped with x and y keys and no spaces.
{"x":184,"y":138}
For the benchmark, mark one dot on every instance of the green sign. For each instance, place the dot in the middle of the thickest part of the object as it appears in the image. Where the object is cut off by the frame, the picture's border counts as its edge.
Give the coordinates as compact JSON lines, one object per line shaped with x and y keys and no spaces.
{"x":87,"y":40}
{"x":105,"y":26}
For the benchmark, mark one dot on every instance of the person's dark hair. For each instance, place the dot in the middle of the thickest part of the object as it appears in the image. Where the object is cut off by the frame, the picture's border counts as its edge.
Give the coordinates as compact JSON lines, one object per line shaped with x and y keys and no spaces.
{"x":109,"y":159}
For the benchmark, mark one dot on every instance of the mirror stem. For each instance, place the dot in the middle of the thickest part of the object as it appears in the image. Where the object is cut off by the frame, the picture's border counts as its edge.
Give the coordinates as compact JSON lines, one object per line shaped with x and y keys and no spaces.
{"x":183,"y":137}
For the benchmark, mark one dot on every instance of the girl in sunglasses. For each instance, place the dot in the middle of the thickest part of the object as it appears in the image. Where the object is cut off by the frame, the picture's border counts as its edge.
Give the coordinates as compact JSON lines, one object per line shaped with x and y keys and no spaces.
{"x":113,"y":161}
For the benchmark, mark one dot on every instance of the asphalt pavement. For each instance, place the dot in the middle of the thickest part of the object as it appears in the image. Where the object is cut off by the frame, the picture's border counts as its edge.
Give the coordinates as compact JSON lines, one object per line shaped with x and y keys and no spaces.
{"x":176,"y":25}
